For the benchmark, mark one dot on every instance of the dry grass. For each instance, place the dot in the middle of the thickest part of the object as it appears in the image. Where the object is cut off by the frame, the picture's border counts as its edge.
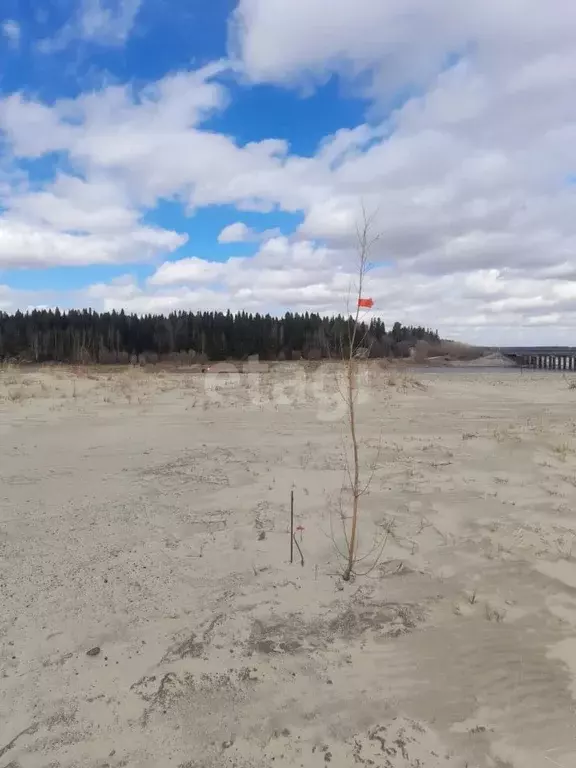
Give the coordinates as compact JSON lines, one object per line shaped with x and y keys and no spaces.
{"x":455,"y":350}
{"x":494,"y":614}
{"x":563,"y":450}
{"x":17,"y":395}
{"x":403,"y":381}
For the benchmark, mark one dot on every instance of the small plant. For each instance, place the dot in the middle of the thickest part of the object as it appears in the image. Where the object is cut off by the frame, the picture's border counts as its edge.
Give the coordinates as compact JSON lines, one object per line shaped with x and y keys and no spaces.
{"x":16,"y":395}
{"x":495,"y":614}
{"x":564,"y":547}
{"x":356,"y":343}
{"x":562,"y":450}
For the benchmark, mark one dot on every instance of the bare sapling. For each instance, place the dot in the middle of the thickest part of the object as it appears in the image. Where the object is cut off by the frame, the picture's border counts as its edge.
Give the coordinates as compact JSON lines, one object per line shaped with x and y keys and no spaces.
{"x":351,"y":356}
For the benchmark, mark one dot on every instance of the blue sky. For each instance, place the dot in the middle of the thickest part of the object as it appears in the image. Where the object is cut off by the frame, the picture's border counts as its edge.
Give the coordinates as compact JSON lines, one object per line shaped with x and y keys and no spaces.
{"x":162,"y":155}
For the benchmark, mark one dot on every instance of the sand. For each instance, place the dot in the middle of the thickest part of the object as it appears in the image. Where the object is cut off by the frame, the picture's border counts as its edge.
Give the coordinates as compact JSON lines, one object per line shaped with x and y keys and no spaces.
{"x":144,"y":518}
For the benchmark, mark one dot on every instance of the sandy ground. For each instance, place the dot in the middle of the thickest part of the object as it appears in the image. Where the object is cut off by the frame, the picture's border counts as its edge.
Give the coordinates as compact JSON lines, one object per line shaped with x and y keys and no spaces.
{"x":146,"y":515}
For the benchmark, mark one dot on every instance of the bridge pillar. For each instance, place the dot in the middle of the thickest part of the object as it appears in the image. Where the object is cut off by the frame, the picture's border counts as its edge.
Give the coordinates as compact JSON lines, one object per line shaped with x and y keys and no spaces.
{"x":539,"y":361}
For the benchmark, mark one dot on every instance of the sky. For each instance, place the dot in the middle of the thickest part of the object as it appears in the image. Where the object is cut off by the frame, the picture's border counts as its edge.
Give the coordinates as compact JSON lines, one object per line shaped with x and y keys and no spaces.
{"x":164,"y":155}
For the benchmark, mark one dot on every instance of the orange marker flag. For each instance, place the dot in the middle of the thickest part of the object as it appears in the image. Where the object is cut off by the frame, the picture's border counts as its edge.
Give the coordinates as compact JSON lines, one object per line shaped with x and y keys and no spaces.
{"x":366,"y":303}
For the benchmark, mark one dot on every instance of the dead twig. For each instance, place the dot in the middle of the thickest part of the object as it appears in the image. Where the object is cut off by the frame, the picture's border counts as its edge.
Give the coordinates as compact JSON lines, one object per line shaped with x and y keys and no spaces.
{"x":299,"y":550}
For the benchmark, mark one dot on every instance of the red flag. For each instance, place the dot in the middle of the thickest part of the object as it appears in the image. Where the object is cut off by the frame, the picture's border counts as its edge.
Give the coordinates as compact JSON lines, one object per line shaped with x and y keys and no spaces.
{"x":366,"y":303}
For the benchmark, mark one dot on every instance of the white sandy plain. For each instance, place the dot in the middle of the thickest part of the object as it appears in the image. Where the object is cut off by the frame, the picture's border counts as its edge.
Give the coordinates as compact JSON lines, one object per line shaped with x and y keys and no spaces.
{"x":146,"y":514}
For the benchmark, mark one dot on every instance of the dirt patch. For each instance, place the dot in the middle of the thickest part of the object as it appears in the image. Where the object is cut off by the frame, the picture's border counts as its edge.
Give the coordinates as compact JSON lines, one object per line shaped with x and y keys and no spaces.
{"x":163,"y":693}
{"x":191,"y":646}
{"x":292,"y":634}
{"x":402,"y":743}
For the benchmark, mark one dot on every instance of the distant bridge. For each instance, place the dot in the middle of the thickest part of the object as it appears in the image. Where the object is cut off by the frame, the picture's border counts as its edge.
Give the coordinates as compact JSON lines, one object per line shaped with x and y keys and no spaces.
{"x":546,"y":358}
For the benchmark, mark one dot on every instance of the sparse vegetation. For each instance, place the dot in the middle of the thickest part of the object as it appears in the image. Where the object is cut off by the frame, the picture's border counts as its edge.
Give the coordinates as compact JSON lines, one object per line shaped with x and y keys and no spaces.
{"x":494,"y":614}
{"x":357,"y":339}
{"x":562,"y":450}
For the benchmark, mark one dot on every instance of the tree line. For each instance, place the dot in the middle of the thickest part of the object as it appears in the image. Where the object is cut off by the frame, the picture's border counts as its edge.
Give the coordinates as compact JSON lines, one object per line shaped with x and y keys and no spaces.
{"x":85,"y":336}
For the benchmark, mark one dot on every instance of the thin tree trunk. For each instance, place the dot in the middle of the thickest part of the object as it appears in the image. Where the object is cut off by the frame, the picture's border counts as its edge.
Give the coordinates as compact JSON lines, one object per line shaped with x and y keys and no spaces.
{"x":364,"y":247}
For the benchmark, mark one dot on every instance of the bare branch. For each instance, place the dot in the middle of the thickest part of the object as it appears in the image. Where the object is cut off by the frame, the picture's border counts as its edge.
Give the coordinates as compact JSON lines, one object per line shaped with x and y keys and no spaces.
{"x":357,"y":337}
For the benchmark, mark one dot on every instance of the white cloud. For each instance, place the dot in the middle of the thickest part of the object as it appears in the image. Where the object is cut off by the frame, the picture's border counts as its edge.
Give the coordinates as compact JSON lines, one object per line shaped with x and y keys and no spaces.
{"x":104,"y":22}
{"x":191,"y":270}
{"x":12,"y":32}
{"x":238,"y":232}
{"x":23,"y":245}
{"x":73,"y":222}
{"x":294,"y":42}
{"x":397,"y":41}
{"x":71,"y":204}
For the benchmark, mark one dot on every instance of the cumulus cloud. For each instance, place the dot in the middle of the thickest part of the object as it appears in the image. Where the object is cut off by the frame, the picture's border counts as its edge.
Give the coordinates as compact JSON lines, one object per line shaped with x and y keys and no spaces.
{"x":23,"y":245}
{"x":71,"y":204}
{"x":240,"y":233}
{"x":191,"y":270}
{"x":73,"y":222}
{"x":396,"y":41}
